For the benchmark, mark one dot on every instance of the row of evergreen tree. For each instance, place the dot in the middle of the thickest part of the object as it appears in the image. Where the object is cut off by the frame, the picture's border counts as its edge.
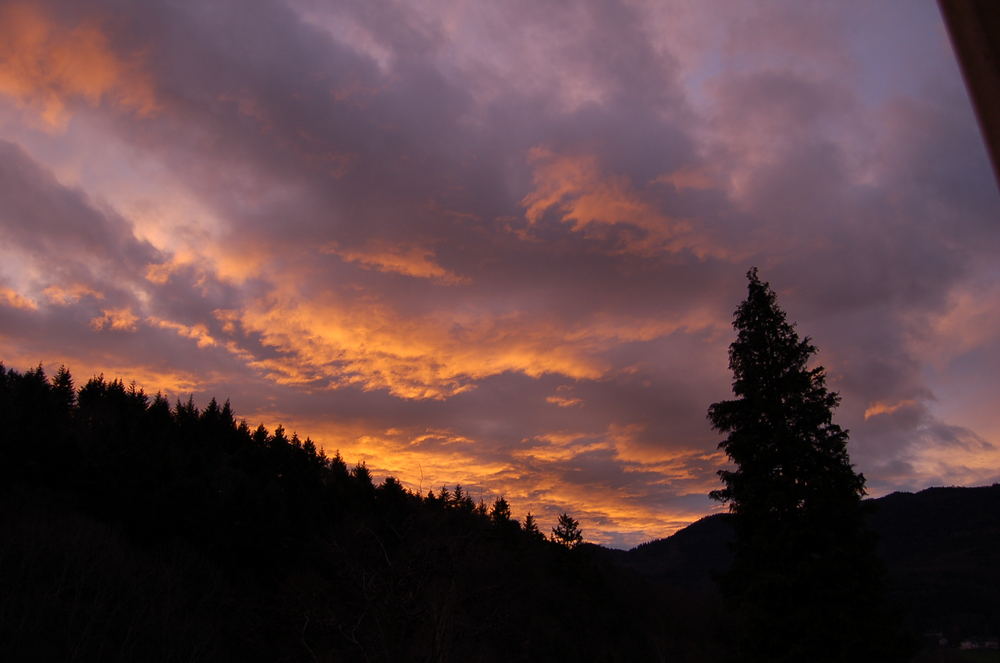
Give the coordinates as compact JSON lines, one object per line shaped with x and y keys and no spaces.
{"x":54,"y":411}
{"x":208,"y":539}
{"x":336,"y":567}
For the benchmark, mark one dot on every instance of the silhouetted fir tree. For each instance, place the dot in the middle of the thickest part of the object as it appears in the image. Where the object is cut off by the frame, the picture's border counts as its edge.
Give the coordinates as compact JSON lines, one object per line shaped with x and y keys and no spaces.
{"x":362,"y":474}
{"x":337,"y":465}
{"x":63,"y":393}
{"x":309,"y":447}
{"x":500,"y":511}
{"x":159,"y":412}
{"x":805,"y":583}
{"x":567,"y":532}
{"x":531,"y":527}
{"x":392,"y":497}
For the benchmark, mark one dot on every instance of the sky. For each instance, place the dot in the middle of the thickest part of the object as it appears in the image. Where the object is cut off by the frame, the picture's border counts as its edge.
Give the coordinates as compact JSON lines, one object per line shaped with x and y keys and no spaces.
{"x":500,"y":244}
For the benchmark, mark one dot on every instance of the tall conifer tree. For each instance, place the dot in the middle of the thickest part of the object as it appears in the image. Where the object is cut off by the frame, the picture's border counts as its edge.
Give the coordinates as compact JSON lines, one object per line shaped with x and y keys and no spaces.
{"x":567,"y":532}
{"x":805,"y":583}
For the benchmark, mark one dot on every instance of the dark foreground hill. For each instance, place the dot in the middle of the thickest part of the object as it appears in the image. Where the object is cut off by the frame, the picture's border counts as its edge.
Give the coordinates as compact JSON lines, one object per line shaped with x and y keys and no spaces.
{"x":941,"y":547}
{"x":136,"y":530}
{"x":132,"y":529}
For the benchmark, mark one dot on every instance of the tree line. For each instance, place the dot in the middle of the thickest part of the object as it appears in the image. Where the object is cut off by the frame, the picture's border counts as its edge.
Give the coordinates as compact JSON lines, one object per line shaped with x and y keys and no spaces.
{"x":310,"y":559}
{"x":89,"y":422}
{"x":183,"y":533}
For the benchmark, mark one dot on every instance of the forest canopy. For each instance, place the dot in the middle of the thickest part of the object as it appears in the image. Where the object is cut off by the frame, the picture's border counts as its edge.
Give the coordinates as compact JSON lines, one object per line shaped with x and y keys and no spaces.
{"x":194,"y":535}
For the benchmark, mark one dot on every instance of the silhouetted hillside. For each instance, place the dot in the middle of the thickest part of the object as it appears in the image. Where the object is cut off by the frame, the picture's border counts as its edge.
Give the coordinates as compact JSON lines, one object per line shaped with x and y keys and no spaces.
{"x":132,"y":529}
{"x":941,"y":547}
{"x":690,"y":557}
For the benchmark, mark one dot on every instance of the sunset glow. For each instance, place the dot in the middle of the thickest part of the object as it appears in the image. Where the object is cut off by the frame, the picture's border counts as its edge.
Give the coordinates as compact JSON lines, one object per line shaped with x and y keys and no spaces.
{"x":500,"y":244}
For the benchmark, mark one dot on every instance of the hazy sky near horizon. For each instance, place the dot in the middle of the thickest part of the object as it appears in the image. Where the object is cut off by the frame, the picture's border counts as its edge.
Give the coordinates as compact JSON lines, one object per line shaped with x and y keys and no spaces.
{"x":500,"y":244}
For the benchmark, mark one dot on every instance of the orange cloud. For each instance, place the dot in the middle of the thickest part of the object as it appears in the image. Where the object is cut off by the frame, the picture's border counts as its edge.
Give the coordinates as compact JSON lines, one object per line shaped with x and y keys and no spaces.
{"x":118,"y":319}
{"x":70,"y":294}
{"x":198,"y":333}
{"x":424,"y":459}
{"x":437,"y":355}
{"x":228,"y":318}
{"x":560,"y":446}
{"x":160,"y":273}
{"x":46,"y":66}
{"x":151,"y":379}
{"x":958,"y":466}
{"x":14,"y":299}
{"x":879,"y":408}
{"x":414,"y":261}
{"x":433,"y":356}
{"x":427,"y":459}
{"x":564,"y":401}
{"x":591,"y":201}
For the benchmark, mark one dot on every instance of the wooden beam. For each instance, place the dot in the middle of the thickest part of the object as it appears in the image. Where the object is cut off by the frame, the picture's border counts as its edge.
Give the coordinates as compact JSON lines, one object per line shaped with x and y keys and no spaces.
{"x":974,"y":26}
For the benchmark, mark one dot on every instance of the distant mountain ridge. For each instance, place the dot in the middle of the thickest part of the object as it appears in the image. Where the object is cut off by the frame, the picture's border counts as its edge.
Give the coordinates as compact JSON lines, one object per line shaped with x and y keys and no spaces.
{"x":941,"y":547}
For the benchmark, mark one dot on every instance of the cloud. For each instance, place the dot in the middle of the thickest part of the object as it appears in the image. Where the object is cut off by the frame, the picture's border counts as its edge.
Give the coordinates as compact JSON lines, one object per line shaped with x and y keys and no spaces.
{"x":57,"y":237}
{"x":880,"y":409}
{"x":563,"y":401}
{"x":70,"y":294}
{"x":121,"y":319}
{"x":16,"y":300}
{"x":48,"y":67}
{"x":591,"y":203}
{"x":411,"y":261}
{"x":501,"y":245}
{"x":414,"y":357}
